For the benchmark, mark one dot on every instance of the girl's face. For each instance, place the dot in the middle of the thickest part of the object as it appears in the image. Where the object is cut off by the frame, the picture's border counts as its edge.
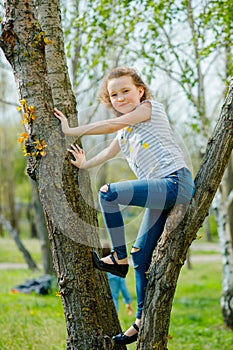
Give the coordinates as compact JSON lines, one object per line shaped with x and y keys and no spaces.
{"x":124,"y":94}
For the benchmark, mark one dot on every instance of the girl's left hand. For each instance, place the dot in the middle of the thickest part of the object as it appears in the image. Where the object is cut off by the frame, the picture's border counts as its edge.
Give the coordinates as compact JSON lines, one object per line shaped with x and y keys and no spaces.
{"x":79,"y":155}
{"x":64,"y":122}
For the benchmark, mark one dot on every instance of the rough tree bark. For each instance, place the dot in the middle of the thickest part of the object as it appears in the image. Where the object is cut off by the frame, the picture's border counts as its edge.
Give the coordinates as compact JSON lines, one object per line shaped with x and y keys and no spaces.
{"x":171,"y":252}
{"x":42,"y":81}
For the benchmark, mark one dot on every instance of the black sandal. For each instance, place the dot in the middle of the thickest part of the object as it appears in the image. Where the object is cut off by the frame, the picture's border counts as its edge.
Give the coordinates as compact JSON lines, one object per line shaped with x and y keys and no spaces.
{"x":123,"y":339}
{"x":115,"y":268}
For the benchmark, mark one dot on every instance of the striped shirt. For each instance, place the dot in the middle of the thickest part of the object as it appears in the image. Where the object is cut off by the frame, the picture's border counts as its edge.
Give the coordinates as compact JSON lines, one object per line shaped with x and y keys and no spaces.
{"x":150,"y":147}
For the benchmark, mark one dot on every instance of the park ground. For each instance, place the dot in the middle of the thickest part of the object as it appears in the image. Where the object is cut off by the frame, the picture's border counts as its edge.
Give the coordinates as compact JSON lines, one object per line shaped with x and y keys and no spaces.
{"x":33,"y":322}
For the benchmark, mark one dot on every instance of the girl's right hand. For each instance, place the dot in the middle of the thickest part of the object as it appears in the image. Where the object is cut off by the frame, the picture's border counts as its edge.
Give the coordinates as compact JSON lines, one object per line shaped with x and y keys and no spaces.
{"x":64,"y":122}
{"x":79,"y":155}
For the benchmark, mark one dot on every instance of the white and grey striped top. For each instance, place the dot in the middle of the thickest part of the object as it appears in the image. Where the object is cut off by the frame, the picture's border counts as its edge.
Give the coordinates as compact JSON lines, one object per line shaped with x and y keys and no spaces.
{"x":150,"y":147}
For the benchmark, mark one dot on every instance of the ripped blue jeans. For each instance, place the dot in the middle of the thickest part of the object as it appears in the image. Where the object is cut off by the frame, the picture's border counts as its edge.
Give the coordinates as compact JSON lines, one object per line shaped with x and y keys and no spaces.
{"x":158,"y":196}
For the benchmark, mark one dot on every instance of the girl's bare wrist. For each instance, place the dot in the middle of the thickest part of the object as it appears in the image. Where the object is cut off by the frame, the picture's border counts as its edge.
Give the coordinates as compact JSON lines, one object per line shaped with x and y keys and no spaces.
{"x":66,"y":130}
{"x":83,"y":165}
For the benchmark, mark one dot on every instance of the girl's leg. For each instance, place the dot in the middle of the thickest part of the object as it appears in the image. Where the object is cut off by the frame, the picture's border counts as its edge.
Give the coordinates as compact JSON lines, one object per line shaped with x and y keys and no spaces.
{"x":142,"y":254}
{"x":150,"y":231}
{"x":142,"y":193}
{"x":153,"y":193}
{"x":113,"y":221}
{"x":159,"y":196}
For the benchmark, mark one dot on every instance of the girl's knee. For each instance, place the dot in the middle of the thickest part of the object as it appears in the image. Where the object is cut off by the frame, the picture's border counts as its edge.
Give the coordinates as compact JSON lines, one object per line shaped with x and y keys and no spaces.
{"x":106,"y":194}
{"x":137,"y":257}
{"x":104,"y":188}
{"x":141,"y":261}
{"x":135,"y":250}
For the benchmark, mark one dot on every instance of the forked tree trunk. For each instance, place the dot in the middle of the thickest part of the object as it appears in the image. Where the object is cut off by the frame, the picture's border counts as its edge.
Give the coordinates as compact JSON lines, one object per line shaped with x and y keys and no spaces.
{"x":178,"y":235}
{"x":34,"y":47}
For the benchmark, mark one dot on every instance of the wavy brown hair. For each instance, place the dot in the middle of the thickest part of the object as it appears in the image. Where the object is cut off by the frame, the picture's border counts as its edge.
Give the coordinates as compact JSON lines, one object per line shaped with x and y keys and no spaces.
{"x":117,"y":73}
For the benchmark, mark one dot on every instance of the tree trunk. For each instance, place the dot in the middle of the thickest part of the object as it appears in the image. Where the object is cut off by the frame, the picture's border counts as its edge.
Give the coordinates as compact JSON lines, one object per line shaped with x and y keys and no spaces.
{"x":206,"y":225}
{"x":41,"y":230}
{"x":7,"y":195}
{"x":37,"y":57}
{"x":178,"y":235}
{"x":229,"y":189}
{"x":222,"y":202}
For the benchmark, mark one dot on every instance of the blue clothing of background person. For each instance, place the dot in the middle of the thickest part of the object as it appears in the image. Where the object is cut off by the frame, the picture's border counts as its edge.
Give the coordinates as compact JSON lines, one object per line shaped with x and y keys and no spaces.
{"x":118,"y":286}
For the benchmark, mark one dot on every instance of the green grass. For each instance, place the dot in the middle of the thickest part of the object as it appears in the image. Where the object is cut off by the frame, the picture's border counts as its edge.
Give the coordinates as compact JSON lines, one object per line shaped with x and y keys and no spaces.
{"x":205,"y":252}
{"x":32,"y":322}
{"x":29,"y":322}
{"x":196,"y":322}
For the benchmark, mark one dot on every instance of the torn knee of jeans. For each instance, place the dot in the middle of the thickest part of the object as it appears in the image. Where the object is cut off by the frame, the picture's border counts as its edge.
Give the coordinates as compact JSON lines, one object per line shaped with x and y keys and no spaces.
{"x":106,"y":194}
{"x":104,"y":188}
{"x":135,"y":249}
{"x":137,"y":257}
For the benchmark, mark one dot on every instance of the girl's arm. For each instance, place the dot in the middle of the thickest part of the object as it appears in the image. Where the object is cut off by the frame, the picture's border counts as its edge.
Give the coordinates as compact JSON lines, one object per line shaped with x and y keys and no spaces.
{"x":140,"y":114}
{"x":80,"y":159}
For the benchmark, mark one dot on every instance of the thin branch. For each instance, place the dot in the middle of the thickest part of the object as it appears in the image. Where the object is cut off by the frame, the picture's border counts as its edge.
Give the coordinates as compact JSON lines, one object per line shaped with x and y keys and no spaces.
{"x":229,"y":199}
{"x":217,"y":103}
{"x":15,"y":235}
{"x":9,"y":103}
{"x":211,"y":63}
{"x":187,"y":90}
